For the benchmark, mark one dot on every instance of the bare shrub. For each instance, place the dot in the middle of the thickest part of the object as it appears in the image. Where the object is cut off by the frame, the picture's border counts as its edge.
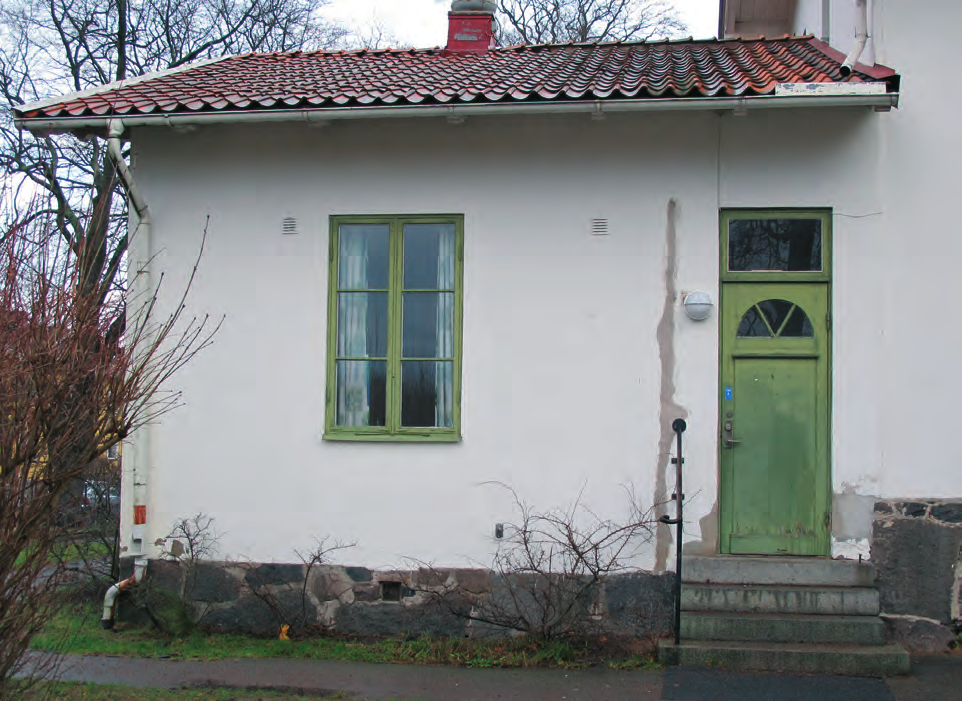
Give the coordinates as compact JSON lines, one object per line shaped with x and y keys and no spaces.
{"x":548,"y":570}
{"x":191,"y":541}
{"x":299,"y":618}
{"x":77,"y":376}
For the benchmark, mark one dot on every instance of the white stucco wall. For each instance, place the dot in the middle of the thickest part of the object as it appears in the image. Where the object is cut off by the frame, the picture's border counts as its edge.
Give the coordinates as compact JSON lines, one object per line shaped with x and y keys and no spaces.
{"x":562,"y":370}
{"x":919,"y":404}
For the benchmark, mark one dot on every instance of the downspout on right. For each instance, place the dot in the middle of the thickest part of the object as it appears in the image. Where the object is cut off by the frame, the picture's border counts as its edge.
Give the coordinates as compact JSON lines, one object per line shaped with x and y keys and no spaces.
{"x":861,"y":38}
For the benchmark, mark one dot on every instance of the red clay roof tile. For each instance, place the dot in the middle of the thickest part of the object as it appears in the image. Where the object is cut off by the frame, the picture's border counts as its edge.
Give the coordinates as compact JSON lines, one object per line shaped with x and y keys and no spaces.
{"x":608,"y":71}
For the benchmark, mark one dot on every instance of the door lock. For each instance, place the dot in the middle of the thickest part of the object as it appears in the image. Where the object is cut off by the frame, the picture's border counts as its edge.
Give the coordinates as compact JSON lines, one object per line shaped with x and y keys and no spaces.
{"x":728,"y":434}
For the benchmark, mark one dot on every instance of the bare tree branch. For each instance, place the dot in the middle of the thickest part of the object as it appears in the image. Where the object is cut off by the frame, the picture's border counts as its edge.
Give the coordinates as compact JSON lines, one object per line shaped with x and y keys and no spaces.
{"x":49,"y":47}
{"x":559,"y":21}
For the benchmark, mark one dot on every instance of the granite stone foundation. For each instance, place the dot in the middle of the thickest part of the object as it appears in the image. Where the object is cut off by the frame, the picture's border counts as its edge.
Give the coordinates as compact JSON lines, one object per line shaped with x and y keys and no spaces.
{"x":261,"y":598}
{"x":917,"y":554}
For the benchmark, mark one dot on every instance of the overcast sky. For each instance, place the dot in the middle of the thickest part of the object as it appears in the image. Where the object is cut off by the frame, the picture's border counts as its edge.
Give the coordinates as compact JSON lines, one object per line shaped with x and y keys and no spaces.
{"x":423,"y":23}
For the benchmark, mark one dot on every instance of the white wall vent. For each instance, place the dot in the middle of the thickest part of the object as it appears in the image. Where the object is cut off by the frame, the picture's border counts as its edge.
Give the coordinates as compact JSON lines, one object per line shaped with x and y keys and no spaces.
{"x":599,"y":227}
{"x":289,"y":226}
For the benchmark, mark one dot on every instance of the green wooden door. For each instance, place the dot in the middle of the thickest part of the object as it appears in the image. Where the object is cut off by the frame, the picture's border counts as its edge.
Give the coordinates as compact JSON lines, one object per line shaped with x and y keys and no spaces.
{"x":774,"y":433}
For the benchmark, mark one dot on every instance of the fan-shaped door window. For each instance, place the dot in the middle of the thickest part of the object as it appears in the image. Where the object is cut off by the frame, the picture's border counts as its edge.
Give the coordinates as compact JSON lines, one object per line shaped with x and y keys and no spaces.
{"x":775,"y":318}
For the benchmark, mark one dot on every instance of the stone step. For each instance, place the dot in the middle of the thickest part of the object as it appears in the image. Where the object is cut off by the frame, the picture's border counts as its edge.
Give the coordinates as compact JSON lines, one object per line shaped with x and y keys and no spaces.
{"x":783,"y":628}
{"x":734,"y":598}
{"x":787,"y":657}
{"x":731,"y":569}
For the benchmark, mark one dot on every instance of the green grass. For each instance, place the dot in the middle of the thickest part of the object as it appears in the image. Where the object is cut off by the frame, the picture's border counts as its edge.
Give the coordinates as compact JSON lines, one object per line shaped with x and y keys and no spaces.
{"x":109,"y":692}
{"x":77,"y":630}
{"x":72,"y":552}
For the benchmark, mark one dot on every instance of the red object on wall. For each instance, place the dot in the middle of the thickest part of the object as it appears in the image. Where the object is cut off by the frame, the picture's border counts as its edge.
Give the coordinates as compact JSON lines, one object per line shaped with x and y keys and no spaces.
{"x":470,"y":32}
{"x":140,"y":514}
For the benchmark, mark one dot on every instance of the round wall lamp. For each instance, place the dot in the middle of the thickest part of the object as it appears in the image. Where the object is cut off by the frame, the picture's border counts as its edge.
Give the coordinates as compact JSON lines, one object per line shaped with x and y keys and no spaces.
{"x":698,"y":305}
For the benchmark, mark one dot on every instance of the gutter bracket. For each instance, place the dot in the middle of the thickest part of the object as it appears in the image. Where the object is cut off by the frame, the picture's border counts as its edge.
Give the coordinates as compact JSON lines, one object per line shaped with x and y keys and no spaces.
{"x":453,"y":117}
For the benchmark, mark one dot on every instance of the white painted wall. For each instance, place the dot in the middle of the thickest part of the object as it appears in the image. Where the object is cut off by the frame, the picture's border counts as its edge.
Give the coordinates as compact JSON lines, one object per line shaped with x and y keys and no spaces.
{"x":561,"y":369}
{"x":920,"y":400}
{"x":562,"y":366}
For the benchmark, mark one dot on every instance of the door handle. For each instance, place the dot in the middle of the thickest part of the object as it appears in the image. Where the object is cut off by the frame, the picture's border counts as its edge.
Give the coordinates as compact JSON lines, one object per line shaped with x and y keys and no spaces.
{"x":727,"y":429}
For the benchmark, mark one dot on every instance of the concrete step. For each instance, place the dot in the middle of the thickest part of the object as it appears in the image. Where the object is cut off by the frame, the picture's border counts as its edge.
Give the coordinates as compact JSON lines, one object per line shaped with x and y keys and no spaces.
{"x":734,"y":598}
{"x":787,"y":657}
{"x":783,"y":628}
{"x":813,"y":572}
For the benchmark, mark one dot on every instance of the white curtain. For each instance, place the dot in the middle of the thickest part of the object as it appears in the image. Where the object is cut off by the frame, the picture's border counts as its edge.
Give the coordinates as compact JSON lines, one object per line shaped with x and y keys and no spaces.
{"x":444,"y":378}
{"x":353,"y":395}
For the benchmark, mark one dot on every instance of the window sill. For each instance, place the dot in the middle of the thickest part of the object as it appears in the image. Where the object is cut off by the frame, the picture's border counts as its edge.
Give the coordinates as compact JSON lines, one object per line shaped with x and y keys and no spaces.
{"x":392,"y":437}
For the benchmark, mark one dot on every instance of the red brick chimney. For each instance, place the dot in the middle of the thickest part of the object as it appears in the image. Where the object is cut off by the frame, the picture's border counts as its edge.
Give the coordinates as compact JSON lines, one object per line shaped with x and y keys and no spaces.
{"x":471,"y":27}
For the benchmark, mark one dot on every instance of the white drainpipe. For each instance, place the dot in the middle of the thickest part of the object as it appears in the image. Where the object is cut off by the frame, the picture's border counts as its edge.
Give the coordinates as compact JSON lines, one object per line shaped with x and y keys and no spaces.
{"x":115,"y":129}
{"x":861,"y":38}
{"x":110,"y":600}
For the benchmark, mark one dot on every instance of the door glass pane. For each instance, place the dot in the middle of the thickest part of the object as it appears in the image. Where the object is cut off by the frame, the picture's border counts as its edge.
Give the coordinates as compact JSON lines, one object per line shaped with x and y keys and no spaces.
{"x":429,"y":256}
{"x":775,"y":244}
{"x":753,"y":325}
{"x":798,"y":326}
{"x":361,"y":392}
{"x":427,"y":393}
{"x":363,"y":256}
{"x":785,"y":320}
{"x":428,"y":325}
{"x":776,"y":311}
{"x":362,"y":324}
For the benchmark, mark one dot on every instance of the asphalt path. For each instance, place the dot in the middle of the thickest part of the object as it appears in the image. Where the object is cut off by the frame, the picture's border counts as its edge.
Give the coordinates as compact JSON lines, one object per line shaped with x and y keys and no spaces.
{"x":933,"y":678}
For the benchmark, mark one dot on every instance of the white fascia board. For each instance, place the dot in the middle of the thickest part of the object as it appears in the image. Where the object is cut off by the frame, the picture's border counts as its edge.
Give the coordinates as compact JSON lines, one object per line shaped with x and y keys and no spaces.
{"x":883,"y":101}
{"x":107,"y":87}
{"x":825,"y":89}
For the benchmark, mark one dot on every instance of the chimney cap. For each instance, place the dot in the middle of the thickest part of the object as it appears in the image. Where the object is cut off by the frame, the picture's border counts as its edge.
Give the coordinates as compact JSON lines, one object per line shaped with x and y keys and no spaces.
{"x":488,"y":6}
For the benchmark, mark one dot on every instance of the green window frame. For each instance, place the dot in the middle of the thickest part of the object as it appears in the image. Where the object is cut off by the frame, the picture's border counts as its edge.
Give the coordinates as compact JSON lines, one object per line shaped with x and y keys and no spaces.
{"x":390,"y":381}
{"x":821,"y":214}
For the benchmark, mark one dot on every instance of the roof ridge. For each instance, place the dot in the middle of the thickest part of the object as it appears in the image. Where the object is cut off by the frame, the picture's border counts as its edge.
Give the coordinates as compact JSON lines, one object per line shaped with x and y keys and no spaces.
{"x":117,"y":84}
{"x":651,"y":42}
{"x":338,"y":52}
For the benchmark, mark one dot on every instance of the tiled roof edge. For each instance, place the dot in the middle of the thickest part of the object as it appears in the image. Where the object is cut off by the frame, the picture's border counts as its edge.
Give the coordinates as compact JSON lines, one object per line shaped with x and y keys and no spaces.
{"x":107,"y":87}
{"x":878,"y":71}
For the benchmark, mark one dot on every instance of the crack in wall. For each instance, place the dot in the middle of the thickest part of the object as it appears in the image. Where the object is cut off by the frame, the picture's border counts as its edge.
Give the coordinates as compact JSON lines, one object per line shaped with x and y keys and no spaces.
{"x":670,"y":409}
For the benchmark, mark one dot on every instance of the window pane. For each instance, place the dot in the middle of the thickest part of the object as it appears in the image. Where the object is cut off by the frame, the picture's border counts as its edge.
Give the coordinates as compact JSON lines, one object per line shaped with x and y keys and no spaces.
{"x":362,"y":324}
{"x":427,"y":393}
{"x":428,"y":325}
{"x":361,"y":392}
{"x":363,"y":256}
{"x":775,"y":244}
{"x":429,"y":256}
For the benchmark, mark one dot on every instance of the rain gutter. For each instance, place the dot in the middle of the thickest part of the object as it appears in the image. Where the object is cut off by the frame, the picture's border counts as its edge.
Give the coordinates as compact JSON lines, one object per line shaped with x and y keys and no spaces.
{"x":880,"y":101}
